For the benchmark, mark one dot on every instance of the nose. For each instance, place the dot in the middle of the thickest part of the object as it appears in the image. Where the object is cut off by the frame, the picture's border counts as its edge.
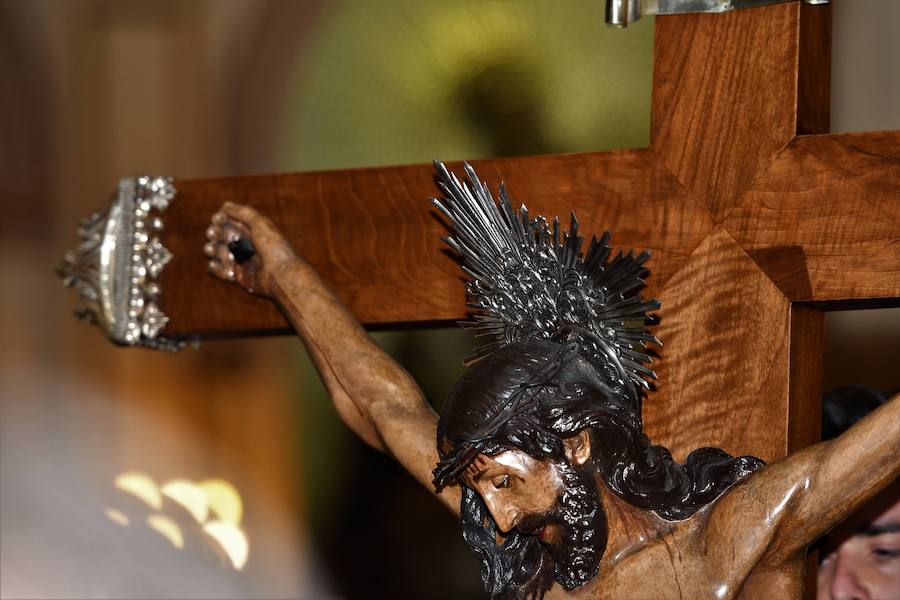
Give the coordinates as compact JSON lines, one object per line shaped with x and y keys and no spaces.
{"x":846,"y":582}
{"x":505,"y":515}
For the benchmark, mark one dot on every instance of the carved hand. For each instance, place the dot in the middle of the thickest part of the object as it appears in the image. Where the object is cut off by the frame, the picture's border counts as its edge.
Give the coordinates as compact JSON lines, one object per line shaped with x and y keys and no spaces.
{"x":273,"y":253}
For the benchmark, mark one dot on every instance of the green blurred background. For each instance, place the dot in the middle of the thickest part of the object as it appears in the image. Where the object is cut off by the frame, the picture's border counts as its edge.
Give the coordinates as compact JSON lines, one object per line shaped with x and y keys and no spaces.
{"x":407,"y":82}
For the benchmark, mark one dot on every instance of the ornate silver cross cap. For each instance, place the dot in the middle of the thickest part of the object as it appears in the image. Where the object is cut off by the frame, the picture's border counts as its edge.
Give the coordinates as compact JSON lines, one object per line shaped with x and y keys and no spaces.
{"x":117,"y":263}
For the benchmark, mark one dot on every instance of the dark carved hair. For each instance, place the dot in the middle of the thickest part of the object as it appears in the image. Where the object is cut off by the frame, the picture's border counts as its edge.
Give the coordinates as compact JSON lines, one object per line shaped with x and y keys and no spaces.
{"x":533,"y":395}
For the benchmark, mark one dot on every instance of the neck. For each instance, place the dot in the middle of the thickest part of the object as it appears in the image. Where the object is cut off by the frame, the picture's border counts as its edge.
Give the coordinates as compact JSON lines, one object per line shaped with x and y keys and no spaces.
{"x":629,"y":527}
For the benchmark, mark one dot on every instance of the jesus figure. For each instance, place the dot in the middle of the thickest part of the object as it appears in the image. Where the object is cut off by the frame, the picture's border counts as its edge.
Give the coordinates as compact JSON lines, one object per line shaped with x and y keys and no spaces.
{"x":542,"y":455}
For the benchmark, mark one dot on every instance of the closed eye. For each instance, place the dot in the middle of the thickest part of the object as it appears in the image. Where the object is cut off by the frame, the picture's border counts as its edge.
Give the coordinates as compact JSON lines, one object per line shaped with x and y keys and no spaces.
{"x":503,"y":482}
{"x":886,"y":553}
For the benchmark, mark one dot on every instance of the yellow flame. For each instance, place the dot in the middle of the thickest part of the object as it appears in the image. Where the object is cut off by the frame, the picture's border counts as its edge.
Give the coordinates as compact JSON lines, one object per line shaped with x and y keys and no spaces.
{"x":189,"y":495}
{"x":224,"y":500}
{"x":117,"y":517}
{"x":231,"y":539}
{"x":168,"y":528}
{"x":140,"y":486}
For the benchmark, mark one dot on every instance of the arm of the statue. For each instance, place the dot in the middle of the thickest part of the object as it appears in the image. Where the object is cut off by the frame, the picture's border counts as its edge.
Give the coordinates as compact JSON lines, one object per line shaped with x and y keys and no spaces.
{"x":776,"y":513}
{"x":373,"y":395}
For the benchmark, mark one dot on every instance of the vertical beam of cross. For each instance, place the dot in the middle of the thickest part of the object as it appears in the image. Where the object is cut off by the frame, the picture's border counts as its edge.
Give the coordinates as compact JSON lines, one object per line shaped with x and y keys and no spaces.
{"x":731,"y":92}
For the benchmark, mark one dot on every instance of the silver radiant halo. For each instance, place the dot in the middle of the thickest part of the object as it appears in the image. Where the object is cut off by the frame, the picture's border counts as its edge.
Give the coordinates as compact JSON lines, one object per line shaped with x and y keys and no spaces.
{"x":529,"y":279}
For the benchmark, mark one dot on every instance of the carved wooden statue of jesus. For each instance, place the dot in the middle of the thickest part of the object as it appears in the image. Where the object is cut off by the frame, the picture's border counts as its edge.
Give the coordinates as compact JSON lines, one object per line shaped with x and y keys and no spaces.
{"x":540,"y":447}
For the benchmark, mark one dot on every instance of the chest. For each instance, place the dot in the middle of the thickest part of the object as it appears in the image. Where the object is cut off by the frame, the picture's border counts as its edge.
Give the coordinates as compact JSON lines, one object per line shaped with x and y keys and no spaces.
{"x":664,"y":571}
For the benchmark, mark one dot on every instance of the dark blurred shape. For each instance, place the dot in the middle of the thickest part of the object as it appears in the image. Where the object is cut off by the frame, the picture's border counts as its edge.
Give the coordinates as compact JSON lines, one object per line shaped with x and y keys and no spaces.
{"x":25,"y":167}
{"x":242,"y":250}
{"x":502,"y":100}
{"x":843,"y":406}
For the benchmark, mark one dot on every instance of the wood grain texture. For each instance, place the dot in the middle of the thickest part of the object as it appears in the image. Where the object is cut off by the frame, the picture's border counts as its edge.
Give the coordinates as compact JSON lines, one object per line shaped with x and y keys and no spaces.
{"x":804,"y":418}
{"x":375,"y":238}
{"x":724,"y":368}
{"x":805,"y":400}
{"x":835,"y":200}
{"x":814,"y":70}
{"x":725,"y":94}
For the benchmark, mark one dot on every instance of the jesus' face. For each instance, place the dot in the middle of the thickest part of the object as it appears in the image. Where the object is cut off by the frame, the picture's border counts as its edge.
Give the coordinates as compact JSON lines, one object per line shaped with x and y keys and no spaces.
{"x":555,"y":502}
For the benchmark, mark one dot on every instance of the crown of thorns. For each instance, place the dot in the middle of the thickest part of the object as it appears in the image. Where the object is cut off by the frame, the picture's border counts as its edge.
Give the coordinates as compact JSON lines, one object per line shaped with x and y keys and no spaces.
{"x":520,"y":404}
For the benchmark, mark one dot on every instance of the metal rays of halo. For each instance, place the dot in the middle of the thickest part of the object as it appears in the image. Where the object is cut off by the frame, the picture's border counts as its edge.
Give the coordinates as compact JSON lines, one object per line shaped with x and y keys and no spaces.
{"x":529,"y":280}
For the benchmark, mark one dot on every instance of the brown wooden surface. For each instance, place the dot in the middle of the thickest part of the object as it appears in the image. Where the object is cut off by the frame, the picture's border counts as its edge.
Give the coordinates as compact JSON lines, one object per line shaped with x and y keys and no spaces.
{"x":725,"y":92}
{"x":814,"y":70}
{"x":375,"y":238}
{"x":726,"y":334}
{"x":804,"y":425}
{"x":804,"y":418}
{"x":824,"y":220}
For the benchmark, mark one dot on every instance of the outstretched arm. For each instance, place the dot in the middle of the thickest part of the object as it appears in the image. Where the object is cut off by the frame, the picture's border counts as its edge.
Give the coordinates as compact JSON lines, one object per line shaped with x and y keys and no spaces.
{"x":790,"y":503}
{"x":373,"y":395}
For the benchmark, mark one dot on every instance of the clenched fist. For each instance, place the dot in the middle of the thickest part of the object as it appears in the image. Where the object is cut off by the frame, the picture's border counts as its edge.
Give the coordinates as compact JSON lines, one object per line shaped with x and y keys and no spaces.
{"x":235,"y":222}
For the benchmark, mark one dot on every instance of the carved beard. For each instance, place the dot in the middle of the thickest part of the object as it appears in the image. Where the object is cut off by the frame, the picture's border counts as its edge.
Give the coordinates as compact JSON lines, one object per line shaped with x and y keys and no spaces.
{"x":584,"y":528}
{"x":521,"y":566}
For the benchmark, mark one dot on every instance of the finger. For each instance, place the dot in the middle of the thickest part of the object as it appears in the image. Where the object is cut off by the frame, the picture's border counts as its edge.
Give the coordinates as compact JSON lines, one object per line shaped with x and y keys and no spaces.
{"x":224,"y":256}
{"x":214,"y":231}
{"x":245,"y":276}
{"x":230,"y":233}
{"x":241,"y":213}
{"x":221,"y":271}
{"x":209,"y":249}
{"x":233,"y":231}
{"x":219,"y":217}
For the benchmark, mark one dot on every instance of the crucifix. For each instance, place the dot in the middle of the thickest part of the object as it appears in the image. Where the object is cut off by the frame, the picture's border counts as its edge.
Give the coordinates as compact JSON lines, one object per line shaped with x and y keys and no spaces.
{"x":757,"y":221}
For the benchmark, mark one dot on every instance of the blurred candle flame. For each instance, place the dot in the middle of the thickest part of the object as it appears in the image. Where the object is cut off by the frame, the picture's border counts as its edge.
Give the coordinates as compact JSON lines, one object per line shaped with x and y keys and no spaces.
{"x":188,"y":495}
{"x":168,"y":528}
{"x":231,"y":539}
{"x":140,"y":486}
{"x":215,"y":504}
{"x":224,"y":500}
{"x":117,"y":517}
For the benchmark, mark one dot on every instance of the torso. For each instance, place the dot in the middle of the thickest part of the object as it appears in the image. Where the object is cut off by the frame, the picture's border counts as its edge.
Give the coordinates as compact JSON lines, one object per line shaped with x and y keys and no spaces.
{"x":683,"y":565}
{"x":665,"y":570}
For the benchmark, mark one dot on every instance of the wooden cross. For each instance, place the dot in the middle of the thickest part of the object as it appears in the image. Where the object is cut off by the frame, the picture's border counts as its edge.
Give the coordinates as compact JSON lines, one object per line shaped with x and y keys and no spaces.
{"x":757,"y":221}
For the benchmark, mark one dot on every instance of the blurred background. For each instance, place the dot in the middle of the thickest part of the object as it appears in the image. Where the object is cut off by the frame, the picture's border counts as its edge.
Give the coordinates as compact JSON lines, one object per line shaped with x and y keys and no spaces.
{"x":223,"y":472}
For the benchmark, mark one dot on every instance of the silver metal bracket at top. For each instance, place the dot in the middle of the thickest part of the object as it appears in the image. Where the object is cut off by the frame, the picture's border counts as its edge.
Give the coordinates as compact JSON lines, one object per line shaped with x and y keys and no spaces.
{"x":118,"y":261}
{"x":619,"y":13}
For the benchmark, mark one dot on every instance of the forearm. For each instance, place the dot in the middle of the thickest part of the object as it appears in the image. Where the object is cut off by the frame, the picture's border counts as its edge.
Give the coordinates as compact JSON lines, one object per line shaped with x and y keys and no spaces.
{"x":822,"y":485}
{"x":373,"y":395}
{"x":357,"y":373}
{"x":859,"y":463}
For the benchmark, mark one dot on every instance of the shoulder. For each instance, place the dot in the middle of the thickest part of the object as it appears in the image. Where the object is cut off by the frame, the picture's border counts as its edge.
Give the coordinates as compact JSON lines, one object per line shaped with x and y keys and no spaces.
{"x":748,"y":515}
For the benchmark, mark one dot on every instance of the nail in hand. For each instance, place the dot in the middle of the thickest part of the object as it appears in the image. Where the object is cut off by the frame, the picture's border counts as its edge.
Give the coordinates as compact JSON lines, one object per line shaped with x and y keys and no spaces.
{"x":242,"y":250}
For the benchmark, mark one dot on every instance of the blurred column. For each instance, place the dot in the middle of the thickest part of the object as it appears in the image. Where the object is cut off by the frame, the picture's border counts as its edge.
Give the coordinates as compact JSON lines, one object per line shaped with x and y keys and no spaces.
{"x":102,"y":89}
